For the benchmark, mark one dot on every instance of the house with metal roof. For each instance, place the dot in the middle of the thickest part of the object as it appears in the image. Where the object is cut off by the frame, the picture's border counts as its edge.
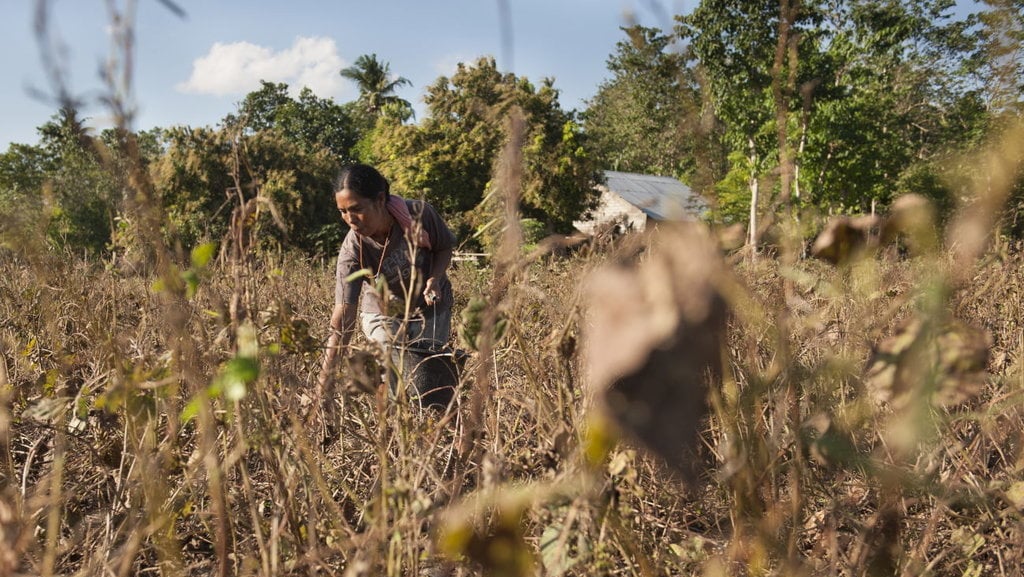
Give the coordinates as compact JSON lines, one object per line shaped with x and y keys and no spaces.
{"x":632,"y":201}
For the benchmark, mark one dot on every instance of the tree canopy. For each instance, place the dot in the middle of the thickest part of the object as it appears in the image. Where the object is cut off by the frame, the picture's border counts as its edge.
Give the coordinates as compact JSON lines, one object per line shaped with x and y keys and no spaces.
{"x":448,"y":158}
{"x":377,"y":86}
{"x":649,"y":116}
{"x":802,"y":107}
{"x":836,"y":105}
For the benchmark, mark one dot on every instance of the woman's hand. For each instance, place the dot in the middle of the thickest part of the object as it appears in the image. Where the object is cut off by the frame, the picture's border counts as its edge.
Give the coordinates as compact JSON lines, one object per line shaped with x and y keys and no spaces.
{"x":430,"y":292}
{"x":343,"y":322}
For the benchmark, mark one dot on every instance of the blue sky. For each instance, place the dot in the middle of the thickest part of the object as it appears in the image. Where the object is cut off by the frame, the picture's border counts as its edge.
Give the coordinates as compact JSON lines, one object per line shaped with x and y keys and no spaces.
{"x":192,"y":70}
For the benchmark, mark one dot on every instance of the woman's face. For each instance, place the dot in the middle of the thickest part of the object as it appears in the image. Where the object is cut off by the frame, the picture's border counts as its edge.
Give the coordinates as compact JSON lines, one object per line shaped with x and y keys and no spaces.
{"x":363,"y":215}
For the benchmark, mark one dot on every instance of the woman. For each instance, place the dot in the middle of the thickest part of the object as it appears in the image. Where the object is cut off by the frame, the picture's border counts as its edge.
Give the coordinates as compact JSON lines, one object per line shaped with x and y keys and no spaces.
{"x":393,"y":265}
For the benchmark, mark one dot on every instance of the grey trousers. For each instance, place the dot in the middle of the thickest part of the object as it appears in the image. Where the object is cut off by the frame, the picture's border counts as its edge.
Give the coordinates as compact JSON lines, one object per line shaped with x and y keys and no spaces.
{"x":428,"y":330}
{"x":417,"y":350}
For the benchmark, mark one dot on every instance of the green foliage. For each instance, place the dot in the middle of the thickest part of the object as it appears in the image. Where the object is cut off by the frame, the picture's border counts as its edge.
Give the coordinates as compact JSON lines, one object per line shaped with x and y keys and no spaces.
{"x":863,"y":92}
{"x":85,"y":195}
{"x":23,"y":170}
{"x":449,"y":156}
{"x":377,"y":88}
{"x":1000,"y":67}
{"x":733,"y":192}
{"x":298,"y":183}
{"x":930,"y":181}
{"x":1001,"y":61}
{"x":559,"y":175}
{"x":259,"y":109}
{"x":734,"y":44}
{"x":533,"y":232}
{"x":895,"y":98}
{"x":280,"y":151}
{"x":648,"y":117}
{"x":62,"y":186}
{"x":311,"y":122}
{"x":194,"y":179}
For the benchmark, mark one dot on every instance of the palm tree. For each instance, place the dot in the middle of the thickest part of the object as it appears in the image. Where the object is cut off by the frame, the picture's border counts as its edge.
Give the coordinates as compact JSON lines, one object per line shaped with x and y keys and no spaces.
{"x":376,"y":86}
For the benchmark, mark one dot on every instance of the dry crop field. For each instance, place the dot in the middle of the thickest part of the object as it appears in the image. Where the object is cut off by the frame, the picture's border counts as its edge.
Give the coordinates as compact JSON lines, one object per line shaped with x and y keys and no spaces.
{"x":656,"y":407}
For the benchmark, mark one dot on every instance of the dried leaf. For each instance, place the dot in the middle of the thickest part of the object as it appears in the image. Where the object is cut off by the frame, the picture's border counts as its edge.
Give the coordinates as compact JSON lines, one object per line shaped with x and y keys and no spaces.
{"x":655,"y":341}
{"x":48,"y":409}
{"x":912,"y":217}
{"x":364,"y":369}
{"x":827,"y":443}
{"x":846,"y":239}
{"x":554,"y":551}
{"x":949,"y":362}
{"x":1015,"y":494}
{"x":488,"y":530}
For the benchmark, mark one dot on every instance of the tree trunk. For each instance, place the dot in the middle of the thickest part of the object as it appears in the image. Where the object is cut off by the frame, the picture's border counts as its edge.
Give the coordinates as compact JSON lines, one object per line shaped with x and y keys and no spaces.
{"x":799,"y":155}
{"x":752,"y":241}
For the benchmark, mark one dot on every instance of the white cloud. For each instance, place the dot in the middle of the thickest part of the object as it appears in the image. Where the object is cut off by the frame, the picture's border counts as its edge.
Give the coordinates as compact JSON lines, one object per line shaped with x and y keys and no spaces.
{"x":448,"y":65}
{"x":237,"y":68}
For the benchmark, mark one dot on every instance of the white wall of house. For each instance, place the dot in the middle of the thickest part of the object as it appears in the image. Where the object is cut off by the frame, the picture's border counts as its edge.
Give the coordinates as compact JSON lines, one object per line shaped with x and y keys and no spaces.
{"x":612,"y":207}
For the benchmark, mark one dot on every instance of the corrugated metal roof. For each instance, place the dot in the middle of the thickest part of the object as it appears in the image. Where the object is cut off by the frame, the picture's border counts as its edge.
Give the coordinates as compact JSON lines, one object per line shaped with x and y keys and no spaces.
{"x":659,"y":197}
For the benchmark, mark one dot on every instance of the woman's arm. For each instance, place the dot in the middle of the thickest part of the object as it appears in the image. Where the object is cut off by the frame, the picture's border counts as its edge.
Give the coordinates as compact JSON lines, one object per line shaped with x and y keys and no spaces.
{"x":442,"y":259}
{"x":343,"y":324}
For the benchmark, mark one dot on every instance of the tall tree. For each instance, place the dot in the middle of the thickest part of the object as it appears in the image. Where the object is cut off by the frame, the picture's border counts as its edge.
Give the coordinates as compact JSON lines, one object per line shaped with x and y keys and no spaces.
{"x":377,"y":85}
{"x":206,"y":173}
{"x":448,"y":158}
{"x":1002,"y":43}
{"x":83,"y":196}
{"x":23,"y":170}
{"x":649,"y":117}
{"x":897,"y":97}
{"x":193,"y":179}
{"x":736,"y":44}
{"x":846,"y":100}
{"x":275,"y":150}
{"x":308,"y":121}
{"x":259,"y":109}
{"x":1002,"y":73}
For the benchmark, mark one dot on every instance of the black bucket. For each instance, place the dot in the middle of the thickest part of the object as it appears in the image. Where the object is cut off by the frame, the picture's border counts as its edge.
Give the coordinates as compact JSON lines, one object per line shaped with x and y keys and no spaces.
{"x":430,"y":376}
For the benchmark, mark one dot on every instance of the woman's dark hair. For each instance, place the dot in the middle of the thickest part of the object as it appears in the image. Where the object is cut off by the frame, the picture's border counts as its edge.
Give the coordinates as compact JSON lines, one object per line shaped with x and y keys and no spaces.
{"x":364,"y":180}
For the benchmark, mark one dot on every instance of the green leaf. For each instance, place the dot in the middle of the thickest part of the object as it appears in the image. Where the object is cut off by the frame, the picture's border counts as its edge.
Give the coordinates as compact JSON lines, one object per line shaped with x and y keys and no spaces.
{"x":191,"y":283}
{"x":191,"y":409}
{"x":202,"y":254}
{"x":236,"y":374}
{"x":361,"y":273}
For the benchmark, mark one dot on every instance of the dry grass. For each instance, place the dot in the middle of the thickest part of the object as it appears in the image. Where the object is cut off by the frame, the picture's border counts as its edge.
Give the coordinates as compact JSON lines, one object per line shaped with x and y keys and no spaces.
{"x":803,"y":471}
{"x":860,"y":420}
